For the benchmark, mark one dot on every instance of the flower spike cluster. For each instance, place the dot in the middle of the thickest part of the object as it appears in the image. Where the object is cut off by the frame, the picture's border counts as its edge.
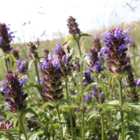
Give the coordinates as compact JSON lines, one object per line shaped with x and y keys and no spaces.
{"x":116,"y":41}
{"x":52,"y":79}
{"x":73,"y":26}
{"x":96,"y":62}
{"x":5,"y":38}
{"x":14,"y":92}
{"x":118,"y":61}
{"x":7,"y":126}
{"x":65,"y":56}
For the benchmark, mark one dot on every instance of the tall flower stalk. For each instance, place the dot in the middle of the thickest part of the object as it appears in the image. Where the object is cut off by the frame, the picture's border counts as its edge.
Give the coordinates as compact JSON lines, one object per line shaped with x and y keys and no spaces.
{"x":5,"y":40}
{"x":97,"y":66}
{"x":116,"y":41}
{"x":34,"y":55}
{"x":75,"y":32}
{"x":16,"y":98}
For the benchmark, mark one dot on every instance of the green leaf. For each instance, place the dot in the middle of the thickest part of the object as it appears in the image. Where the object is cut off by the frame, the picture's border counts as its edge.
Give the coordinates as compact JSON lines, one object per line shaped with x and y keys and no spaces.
{"x":84,"y":34}
{"x":111,"y":103}
{"x":28,"y":110}
{"x":134,"y":105}
{"x":46,"y":116}
{"x":91,"y":114}
{"x":12,"y":58}
{"x":33,"y":136}
{"x":48,"y":103}
{"x":29,"y":63}
{"x":70,"y":37}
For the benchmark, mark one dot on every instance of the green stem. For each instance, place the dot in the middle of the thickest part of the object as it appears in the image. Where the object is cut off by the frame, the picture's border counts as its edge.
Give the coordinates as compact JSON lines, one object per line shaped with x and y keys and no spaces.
{"x":23,"y":128}
{"x":131,"y":108}
{"x":102,"y":122}
{"x":6,"y":64}
{"x":38,"y":78}
{"x":48,"y":136}
{"x":53,"y":133}
{"x":82,"y":92}
{"x":66,"y":86}
{"x":57,"y":109}
{"x":93,"y":126}
{"x":9,"y":137}
{"x":121,"y":107}
{"x":102,"y":118}
{"x":71,"y":123}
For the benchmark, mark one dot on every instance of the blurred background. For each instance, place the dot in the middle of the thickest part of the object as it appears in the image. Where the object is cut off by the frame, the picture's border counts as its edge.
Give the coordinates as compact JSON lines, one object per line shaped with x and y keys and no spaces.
{"x":47,"y":19}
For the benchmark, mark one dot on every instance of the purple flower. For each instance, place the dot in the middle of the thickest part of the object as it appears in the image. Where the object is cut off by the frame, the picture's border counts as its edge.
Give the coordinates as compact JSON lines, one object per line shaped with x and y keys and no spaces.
{"x":97,"y":66}
{"x":87,"y":110}
{"x":64,"y":59}
{"x":50,"y":57}
{"x":86,"y":98}
{"x":1,"y":118}
{"x":102,"y":95}
{"x":122,"y":48}
{"x":21,"y":81}
{"x":128,"y":54}
{"x":58,"y":46}
{"x":93,"y":93}
{"x":45,"y":64}
{"x":22,"y":66}
{"x":0,"y":40}
{"x":56,"y":63}
{"x":90,"y":57}
{"x":80,"y":105}
{"x":41,"y":80}
{"x":96,"y":37}
{"x":104,"y":50}
{"x":138,"y":82}
{"x":88,"y":71}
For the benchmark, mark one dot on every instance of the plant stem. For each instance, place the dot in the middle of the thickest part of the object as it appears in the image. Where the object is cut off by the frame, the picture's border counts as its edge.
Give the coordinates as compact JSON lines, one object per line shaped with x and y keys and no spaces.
{"x":38,"y":78}
{"x":82,"y":92}
{"x":121,"y":107}
{"x":71,"y":123}
{"x":53,"y":133}
{"x":131,"y":108}
{"x":57,"y":109}
{"x":48,"y":136}
{"x":66,"y":86}
{"x":102,"y":118}
{"x":6,"y":64}
{"x":23,"y":128}
{"x":93,"y":126}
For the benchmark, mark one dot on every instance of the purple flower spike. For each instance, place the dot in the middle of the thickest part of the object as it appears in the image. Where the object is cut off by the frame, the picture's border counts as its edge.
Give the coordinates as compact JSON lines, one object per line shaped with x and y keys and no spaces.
{"x":102,"y":95}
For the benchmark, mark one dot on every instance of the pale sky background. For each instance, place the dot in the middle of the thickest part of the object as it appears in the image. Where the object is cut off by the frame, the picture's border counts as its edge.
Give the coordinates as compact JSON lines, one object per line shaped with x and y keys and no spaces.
{"x":50,"y":16}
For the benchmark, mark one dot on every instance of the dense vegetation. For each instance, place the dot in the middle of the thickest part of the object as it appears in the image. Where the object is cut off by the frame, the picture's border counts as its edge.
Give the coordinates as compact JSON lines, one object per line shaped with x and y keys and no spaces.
{"x":82,"y":87}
